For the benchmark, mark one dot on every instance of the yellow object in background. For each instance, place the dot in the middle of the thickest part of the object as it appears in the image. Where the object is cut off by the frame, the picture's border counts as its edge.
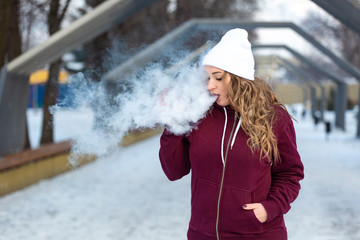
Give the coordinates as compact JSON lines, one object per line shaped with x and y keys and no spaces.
{"x":41,"y":76}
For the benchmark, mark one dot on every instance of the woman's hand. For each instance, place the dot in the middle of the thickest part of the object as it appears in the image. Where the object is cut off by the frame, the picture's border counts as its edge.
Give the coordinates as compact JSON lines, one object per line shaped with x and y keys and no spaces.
{"x":259,"y":211}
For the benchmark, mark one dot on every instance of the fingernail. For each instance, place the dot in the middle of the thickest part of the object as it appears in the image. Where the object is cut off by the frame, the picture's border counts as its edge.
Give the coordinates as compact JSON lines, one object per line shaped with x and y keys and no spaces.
{"x":244,"y":206}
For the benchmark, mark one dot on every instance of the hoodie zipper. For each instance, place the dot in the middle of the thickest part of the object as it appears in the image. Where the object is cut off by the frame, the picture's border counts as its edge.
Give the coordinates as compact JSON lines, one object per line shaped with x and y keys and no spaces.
{"x":223,"y":175}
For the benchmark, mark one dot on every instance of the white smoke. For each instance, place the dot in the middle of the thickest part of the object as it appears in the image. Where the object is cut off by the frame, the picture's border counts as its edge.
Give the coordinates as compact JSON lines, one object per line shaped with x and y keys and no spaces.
{"x":159,"y":98}
{"x":155,"y":98}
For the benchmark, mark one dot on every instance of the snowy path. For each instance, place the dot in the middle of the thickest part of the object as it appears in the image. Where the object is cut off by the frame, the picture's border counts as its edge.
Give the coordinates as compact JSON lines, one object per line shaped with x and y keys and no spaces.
{"x":327,"y":207}
{"x":127,"y":196}
{"x":124,"y":196}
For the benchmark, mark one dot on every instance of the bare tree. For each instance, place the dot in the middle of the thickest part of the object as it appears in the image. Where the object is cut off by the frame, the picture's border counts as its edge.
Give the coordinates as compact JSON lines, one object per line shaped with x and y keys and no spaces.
{"x":98,"y":49}
{"x":55,"y":16}
{"x":32,"y":15}
{"x":335,"y":36}
{"x":338,"y":38}
{"x":10,"y":39}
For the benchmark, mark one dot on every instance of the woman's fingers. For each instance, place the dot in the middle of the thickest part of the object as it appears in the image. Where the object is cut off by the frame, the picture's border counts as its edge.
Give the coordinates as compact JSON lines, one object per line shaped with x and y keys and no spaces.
{"x":259,"y":211}
{"x":251,"y":206}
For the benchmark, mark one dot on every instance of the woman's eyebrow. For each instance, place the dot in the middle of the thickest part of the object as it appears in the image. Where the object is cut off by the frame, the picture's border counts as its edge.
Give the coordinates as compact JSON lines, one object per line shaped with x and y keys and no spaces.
{"x":216,"y":73}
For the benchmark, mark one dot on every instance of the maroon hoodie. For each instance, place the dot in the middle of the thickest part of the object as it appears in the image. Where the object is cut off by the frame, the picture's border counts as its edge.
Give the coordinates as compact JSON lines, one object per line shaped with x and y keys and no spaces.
{"x":226,"y":175}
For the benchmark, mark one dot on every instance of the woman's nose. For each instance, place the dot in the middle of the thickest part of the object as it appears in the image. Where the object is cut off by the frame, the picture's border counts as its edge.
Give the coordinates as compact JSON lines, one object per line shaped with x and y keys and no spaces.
{"x":210,"y":85}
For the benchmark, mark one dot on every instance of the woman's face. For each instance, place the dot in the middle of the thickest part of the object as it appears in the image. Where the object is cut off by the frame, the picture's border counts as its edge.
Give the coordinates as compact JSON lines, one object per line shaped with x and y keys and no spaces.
{"x":218,"y":83}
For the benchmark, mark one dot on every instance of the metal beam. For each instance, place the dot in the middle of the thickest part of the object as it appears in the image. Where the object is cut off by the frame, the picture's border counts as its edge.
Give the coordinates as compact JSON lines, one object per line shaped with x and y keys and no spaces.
{"x":301,"y":75}
{"x":346,"y":11}
{"x":302,"y":58}
{"x":151,"y":52}
{"x":94,"y":23}
{"x":187,"y":30}
{"x":274,"y":59}
{"x":340,"y":100}
{"x":225,"y":24}
{"x":307,"y":78}
{"x":190,"y":58}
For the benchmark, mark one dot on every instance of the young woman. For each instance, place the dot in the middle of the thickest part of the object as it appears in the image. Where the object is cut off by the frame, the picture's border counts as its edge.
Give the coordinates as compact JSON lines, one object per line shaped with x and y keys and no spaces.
{"x":243,"y":156}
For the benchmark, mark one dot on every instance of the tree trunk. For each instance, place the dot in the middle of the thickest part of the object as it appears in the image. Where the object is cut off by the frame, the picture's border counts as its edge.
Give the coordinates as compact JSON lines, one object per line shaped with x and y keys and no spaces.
{"x":55,"y":17}
{"x":14,"y":38}
{"x":51,"y":93}
{"x":4,"y":29}
{"x":10,"y":39}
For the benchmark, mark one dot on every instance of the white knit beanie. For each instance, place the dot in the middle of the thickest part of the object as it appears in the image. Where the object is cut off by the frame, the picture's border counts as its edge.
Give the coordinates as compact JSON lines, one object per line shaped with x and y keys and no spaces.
{"x":233,"y":54}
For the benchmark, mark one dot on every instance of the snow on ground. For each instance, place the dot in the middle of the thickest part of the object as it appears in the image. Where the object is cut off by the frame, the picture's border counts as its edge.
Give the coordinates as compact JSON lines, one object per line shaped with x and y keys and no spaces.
{"x":327,"y":206}
{"x":68,"y":124}
{"x":126,"y":195}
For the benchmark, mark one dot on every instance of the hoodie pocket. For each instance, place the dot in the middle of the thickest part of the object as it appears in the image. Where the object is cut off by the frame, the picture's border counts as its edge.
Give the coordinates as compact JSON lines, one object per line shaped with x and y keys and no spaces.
{"x":233,"y":218}
{"x":203,"y":207}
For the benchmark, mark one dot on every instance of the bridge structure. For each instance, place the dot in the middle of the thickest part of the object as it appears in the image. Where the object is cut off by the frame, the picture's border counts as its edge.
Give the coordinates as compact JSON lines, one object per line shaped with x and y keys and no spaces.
{"x":14,"y":83}
{"x":188,"y":30}
{"x":303,"y":79}
{"x":341,"y":94}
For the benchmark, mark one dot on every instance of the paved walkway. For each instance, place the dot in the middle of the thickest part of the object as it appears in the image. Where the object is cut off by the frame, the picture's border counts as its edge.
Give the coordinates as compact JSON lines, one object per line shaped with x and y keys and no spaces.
{"x":127,"y":196}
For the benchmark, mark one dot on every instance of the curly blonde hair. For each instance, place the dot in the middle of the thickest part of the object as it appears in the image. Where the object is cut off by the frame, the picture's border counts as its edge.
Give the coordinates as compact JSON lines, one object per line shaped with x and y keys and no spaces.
{"x":254,"y":101}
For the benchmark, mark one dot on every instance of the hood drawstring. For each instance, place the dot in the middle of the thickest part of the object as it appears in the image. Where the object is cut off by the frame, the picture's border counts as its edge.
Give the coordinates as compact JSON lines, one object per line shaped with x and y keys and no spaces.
{"x":236,"y":131}
{"x":223,"y":136}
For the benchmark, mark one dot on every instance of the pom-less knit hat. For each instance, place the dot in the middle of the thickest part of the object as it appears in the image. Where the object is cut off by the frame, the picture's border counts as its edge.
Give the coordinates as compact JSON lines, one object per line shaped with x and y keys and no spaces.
{"x":233,"y":54}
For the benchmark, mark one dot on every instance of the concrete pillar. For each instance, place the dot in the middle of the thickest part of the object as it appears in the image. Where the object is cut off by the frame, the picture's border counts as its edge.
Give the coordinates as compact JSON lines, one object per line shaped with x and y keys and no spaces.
{"x":14,"y":90}
{"x":358,"y":116}
{"x":313,"y":100}
{"x":322,"y":103}
{"x":340,"y":105}
{"x":305,"y":95}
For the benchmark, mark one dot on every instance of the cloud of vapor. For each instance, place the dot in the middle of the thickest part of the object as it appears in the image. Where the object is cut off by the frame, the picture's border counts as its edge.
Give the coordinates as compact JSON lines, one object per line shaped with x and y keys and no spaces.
{"x":159,"y":98}
{"x":156,"y":97}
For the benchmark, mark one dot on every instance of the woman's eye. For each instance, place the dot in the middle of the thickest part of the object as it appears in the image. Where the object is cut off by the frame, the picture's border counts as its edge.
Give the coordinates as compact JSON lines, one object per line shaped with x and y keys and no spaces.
{"x":219,"y":79}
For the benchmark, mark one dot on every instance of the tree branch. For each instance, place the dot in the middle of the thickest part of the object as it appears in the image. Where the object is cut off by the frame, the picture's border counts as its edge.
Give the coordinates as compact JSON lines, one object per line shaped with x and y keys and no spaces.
{"x":64,"y":10}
